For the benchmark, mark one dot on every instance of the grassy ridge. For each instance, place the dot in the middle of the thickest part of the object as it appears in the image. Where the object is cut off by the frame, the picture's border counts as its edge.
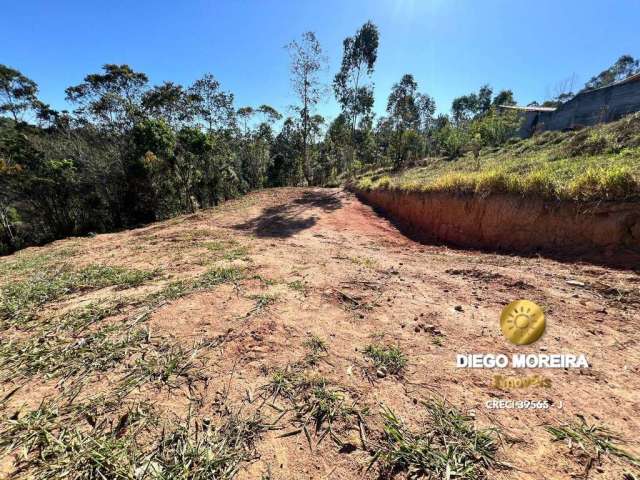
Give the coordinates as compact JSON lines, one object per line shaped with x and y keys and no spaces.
{"x":592,"y":164}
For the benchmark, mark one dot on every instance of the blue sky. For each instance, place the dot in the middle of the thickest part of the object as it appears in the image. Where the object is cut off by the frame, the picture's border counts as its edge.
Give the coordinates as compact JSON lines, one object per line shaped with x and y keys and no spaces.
{"x":450,"y":46}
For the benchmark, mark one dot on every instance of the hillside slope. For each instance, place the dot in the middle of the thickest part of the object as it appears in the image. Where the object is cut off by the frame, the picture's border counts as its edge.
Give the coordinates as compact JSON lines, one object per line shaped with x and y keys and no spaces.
{"x":593,"y":164}
{"x":263,"y":337}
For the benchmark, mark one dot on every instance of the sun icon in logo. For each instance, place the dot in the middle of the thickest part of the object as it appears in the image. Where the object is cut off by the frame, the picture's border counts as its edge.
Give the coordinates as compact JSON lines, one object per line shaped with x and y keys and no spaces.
{"x":522,"y":322}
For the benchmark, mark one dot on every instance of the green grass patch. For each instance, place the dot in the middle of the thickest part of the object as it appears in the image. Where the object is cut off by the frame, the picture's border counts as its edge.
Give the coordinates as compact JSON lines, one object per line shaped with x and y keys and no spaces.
{"x":318,"y":407}
{"x":217,"y":276}
{"x":28,"y":262}
{"x":449,"y":446}
{"x":52,"y":446}
{"x":388,"y":358}
{"x":19,"y":300}
{"x":55,"y":442}
{"x":227,"y":249}
{"x":165,"y":364}
{"x":61,"y":356}
{"x":203,"y":450}
{"x":298,"y":286}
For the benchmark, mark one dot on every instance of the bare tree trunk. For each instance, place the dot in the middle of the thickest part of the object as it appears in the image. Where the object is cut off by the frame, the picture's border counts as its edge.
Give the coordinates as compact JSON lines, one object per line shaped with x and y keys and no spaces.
{"x":7,"y":226}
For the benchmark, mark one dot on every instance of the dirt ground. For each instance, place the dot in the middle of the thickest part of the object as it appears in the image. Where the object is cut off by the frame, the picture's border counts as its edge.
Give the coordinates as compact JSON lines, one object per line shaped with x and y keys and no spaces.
{"x":327,"y":265}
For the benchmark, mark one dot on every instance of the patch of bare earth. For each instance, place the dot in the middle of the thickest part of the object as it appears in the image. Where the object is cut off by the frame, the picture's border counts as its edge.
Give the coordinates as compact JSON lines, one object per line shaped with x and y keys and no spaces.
{"x":317,"y":262}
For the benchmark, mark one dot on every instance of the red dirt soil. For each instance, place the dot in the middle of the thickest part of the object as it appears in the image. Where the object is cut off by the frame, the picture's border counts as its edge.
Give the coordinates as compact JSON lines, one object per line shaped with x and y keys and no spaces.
{"x":364,"y":282}
{"x":608,"y":233}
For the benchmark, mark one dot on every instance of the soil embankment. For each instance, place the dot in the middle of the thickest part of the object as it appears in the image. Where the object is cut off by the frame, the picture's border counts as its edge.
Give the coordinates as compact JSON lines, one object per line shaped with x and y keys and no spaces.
{"x":606,"y":232}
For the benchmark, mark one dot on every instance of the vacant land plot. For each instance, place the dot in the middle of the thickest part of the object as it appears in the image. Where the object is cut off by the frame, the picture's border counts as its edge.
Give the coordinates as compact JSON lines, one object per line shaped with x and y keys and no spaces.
{"x":294,"y":334}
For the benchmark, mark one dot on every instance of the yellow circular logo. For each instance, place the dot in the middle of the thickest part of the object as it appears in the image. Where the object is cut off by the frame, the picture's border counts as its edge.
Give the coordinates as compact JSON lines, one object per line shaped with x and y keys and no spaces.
{"x":522,"y":322}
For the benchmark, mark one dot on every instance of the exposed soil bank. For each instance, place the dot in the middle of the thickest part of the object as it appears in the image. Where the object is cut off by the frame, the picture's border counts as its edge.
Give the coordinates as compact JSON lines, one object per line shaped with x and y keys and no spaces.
{"x":606,"y":232}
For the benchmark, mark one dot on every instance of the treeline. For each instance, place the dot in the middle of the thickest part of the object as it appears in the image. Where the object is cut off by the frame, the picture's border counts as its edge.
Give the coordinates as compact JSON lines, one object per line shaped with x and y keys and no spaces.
{"x":130,"y":153}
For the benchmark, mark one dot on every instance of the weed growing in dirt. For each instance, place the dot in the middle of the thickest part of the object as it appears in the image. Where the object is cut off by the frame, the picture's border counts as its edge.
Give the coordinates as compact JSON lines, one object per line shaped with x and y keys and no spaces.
{"x":388,"y":358}
{"x":448,"y":447}
{"x":218,"y":275}
{"x":165,"y":365}
{"x":592,"y":441}
{"x":298,"y":286}
{"x":19,"y":300}
{"x":323,"y":407}
{"x":205,"y":451}
{"x":53,"y":443}
{"x":364,"y":262}
{"x":23,"y":262}
{"x":262,"y":301}
{"x":80,"y":319}
{"x":58,"y":356}
{"x":211,"y":278}
{"x":316,"y":348}
{"x":316,"y":405}
{"x":238,"y":253}
{"x":227,"y":249}
{"x":283,"y":383}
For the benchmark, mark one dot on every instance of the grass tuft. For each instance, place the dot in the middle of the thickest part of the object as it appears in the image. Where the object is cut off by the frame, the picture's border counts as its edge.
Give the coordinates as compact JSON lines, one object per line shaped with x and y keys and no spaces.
{"x":387,"y":357}
{"x":205,"y":451}
{"x":316,"y":349}
{"x":450,"y":446}
{"x":594,"y":441}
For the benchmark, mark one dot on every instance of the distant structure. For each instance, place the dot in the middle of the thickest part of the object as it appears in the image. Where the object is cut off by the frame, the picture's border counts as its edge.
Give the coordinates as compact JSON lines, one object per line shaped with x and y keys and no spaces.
{"x":590,"y":107}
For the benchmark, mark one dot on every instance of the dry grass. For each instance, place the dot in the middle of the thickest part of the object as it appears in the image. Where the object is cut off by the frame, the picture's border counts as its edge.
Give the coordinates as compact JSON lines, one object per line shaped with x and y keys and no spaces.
{"x":591,"y":442}
{"x":594,"y":164}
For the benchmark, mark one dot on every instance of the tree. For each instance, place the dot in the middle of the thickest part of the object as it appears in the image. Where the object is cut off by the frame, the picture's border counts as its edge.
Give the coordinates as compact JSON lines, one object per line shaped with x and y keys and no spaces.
{"x":245,"y":114}
{"x":112,"y":99}
{"x":504,"y":97}
{"x":285,"y":167}
{"x":426,"y":108}
{"x":623,"y":68}
{"x":469,"y":106}
{"x":17,"y":92}
{"x":409,"y":111}
{"x":171,"y":102}
{"x":270,"y":114}
{"x":402,"y":105}
{"x":358,"y":60}
{"x":307,"y":60}
{"x":213,"y":106}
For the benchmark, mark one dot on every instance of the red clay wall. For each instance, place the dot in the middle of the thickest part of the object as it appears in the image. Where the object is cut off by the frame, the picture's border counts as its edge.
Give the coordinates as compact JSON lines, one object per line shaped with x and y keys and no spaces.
{"x":606,"y":231}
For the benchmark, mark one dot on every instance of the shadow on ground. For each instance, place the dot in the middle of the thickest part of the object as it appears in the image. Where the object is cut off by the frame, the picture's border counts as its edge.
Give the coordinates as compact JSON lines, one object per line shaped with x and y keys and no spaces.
{"x":282,"y":221}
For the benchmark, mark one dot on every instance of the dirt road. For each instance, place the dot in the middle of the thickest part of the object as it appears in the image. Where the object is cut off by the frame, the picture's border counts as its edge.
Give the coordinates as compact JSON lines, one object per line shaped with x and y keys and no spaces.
{"x":322,"y":263}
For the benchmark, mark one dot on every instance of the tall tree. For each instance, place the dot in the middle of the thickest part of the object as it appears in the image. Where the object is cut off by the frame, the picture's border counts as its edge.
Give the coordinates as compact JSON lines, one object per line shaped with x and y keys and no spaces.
{"x":214,"y":106}
{"x":171,"y":102}
{"x":112,"y":99}
{"x":409,"y":111}
{"x":358,"y":60}
{"x":17,"y":92}
{"x":307,"y":60}
{"x":401,"y":104}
